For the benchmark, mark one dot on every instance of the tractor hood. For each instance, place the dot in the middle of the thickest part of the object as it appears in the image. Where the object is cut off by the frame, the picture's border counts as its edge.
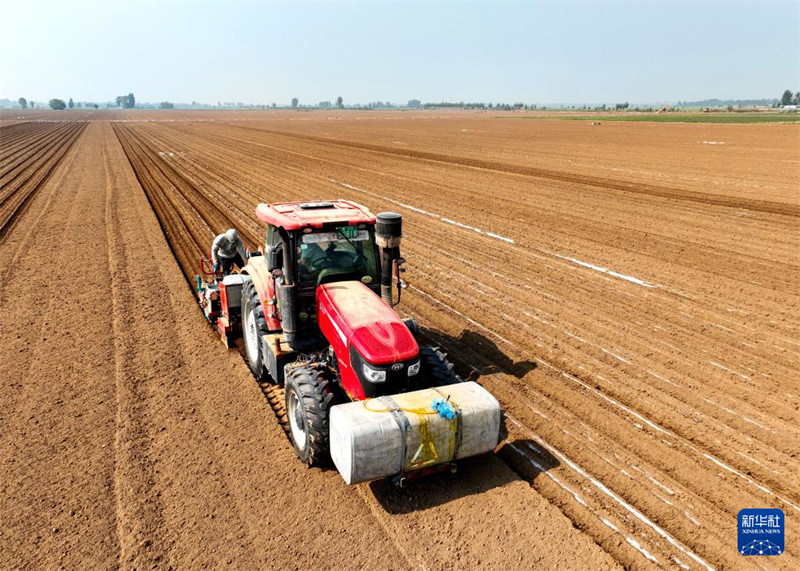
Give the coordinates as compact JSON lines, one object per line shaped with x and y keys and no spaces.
{"x":361,"y":320}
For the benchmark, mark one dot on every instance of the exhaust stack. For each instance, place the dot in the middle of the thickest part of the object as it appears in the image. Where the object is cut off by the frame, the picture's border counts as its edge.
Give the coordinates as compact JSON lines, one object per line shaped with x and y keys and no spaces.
{"x":389,"y":233}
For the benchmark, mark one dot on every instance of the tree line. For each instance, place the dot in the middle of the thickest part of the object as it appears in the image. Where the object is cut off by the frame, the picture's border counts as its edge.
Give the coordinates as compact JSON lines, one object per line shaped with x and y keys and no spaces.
{"x":129,"y":102}
{"x":125,"y":101}
{"x":57,"y":104}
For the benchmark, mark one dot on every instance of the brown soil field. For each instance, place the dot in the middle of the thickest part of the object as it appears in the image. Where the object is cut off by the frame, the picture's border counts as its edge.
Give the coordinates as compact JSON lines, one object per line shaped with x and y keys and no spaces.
{"x":628,"y":291}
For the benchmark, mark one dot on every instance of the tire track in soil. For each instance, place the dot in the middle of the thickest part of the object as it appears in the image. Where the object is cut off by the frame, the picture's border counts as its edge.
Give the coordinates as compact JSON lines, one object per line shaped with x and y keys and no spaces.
{"x":138,"y":510}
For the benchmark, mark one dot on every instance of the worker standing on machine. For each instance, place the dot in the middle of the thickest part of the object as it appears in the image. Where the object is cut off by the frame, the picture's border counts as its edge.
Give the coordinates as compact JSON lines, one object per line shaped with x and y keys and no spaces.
{"x":227,"y":251}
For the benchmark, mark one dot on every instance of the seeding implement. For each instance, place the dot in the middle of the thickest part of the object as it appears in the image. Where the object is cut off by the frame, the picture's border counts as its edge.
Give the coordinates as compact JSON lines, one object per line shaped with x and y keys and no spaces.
{"x":314,"y":308}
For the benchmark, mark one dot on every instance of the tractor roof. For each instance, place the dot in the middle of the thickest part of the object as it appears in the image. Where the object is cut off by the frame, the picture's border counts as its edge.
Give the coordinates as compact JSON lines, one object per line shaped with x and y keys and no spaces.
{"x":296,"y":215}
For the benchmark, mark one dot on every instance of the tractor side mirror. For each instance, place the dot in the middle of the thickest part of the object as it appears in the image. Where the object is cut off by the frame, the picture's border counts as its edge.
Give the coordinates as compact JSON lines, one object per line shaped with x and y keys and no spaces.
{"x":275,"y":258}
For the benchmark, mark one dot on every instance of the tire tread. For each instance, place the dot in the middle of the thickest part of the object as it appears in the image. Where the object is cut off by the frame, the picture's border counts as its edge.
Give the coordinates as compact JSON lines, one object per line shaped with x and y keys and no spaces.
{"x":436,"y":368}
{"x":312,"y":385}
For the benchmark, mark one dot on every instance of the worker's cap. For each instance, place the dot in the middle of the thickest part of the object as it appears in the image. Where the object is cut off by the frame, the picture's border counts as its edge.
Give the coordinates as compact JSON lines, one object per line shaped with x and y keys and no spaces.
{"x":231,"y":235}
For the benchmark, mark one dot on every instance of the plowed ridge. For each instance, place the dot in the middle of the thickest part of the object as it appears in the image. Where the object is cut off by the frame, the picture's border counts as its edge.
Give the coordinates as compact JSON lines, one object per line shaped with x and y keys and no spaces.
{"x":649,"y":344}
{"x":28,"y":154}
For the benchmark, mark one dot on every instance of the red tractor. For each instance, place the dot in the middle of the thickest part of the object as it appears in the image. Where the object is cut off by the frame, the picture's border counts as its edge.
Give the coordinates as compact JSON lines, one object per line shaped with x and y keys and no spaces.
{"x":315,"y":310}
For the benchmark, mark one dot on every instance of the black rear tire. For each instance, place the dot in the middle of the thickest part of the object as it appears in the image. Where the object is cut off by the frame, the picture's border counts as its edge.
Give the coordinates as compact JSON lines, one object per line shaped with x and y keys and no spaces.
{"x":437,"y":371}
{"x":254,"y":325}
{"x":309,"y":397}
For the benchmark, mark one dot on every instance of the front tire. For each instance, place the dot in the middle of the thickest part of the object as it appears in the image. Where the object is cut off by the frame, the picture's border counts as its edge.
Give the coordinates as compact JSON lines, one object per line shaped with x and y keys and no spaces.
{"x":309,"y":396}
{"x":436,"y":369}
{"x":253,"y":327}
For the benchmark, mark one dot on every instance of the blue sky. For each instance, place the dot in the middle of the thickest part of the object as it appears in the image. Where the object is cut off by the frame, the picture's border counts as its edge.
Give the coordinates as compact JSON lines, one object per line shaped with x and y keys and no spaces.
{"x":260,"y":52}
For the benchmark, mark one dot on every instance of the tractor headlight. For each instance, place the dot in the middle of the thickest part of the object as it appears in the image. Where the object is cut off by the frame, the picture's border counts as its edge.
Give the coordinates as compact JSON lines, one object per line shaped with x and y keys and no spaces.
{"x":373,"y":375}
{"x":413,"y":369}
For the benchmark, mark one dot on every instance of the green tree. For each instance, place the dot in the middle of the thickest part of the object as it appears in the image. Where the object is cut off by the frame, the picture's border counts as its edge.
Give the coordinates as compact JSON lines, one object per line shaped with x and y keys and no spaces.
{"x":295,"y":101}
{"x":23,"y":102}
{"x":339,"y":102}
{"x":95,"y":106}
{"x":57,"y":104}
{"x":126,"y":101}
{"x":33,"y":104}
{"x":787,"y":98}
{"x":71,"y":103}
{"x":797,"y":98}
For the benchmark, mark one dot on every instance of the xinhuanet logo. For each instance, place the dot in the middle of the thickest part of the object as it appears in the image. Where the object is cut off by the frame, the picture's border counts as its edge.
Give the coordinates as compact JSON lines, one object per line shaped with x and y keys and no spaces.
{"x":761,"y":532}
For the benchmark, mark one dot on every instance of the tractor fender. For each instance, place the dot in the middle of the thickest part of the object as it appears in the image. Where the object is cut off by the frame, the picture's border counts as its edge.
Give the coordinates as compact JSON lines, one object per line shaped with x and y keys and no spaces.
{"x":256,"y":269}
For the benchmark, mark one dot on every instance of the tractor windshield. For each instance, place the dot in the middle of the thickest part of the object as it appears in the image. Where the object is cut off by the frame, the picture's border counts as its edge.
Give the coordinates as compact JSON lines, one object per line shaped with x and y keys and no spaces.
{"x":346,"y":253}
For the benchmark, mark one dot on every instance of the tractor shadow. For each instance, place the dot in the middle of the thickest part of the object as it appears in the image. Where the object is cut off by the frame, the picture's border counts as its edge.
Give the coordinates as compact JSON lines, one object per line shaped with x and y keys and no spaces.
{"x":473,"y":355}
{"x":475,"y":476}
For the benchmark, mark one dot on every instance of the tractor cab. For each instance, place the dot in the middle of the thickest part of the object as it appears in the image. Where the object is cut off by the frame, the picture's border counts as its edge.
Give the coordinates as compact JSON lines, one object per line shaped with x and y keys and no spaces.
{"x":346,"y":253}
{"x":334,"y":252}
{"x":316,"y":243}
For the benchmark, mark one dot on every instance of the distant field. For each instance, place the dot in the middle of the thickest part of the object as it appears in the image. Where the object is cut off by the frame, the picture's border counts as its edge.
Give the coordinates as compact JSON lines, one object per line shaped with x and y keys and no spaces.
{"x":678,"y":117}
